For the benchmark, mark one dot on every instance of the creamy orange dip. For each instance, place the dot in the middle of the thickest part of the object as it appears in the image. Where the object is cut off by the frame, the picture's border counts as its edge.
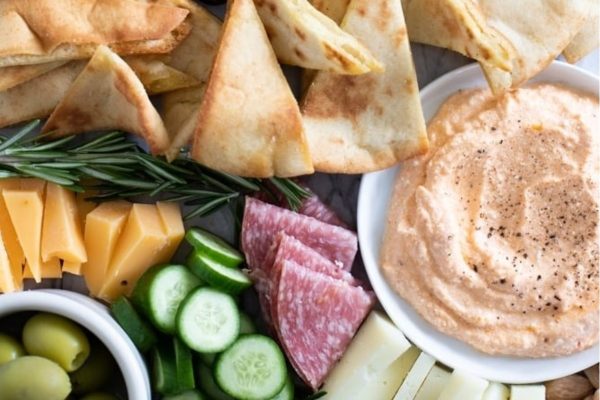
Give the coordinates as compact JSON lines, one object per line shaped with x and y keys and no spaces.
{"x":492,"y":236}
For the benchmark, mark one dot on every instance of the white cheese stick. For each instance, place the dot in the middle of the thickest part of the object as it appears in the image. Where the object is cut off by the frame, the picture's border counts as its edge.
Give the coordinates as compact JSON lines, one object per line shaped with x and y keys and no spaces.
{"x":375,"y":347}
{"x":415,"y":377}
{"x":463,"y":386}
{"x":434,"y":384}
{"x":527,"y":392}
{"x":496,"y":391}
{"x":384,"y":386}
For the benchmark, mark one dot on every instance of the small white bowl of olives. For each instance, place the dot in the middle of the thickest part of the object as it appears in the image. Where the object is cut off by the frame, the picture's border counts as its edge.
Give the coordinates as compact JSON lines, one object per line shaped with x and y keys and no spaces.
{"x":56,"y":344}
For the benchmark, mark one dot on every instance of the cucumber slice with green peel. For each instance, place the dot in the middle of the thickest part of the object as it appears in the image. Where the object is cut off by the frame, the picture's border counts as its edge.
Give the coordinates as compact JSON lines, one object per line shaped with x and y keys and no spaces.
{"x":229,"y":280}
{"x":159,"y":292}
{"x":209,"y":386}
{"x":208,"y":320}
{"x":287,"y":393}
{"x":208,"y":359}
{"x":139,"y":331}
{"x":184,"y":364}
{"x":246,"y":324}
{"x":164,"y":369}
{"x":214,"y":247}
{"x":188,"y":395}
{"x":253,"y":368}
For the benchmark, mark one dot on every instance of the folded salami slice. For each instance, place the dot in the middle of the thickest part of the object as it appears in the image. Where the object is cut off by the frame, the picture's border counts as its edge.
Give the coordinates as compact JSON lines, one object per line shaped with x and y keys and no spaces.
{"x":317,"y":317}
{"x":262,"y":222}
{"x":314,"y":207}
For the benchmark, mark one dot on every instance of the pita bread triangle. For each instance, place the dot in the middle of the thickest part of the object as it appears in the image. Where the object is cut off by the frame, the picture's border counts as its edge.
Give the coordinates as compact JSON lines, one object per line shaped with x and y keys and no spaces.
{"x":356,"y":124}
{"x":586,"y":40}
{"x":108,"y":95}
{"x":249,"y":123}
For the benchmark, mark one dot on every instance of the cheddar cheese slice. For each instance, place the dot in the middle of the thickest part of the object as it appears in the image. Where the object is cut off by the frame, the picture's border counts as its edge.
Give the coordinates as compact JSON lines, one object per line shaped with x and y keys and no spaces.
{"x":61,"y":233}
{"x":11,"y":243}
{"x":26,"y":210}
{"x":170,"y":216}
{"x":72,"y":267}
{"x":103,"y":227}
{"x":138,"y":248}
{"x":84,"y":207}
{"x":7,"y":281}
{"x":48,"y":270}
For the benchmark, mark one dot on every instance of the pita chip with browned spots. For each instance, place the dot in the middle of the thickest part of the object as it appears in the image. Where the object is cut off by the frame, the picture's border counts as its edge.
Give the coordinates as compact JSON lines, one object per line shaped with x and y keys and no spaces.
{"x":40,"y":31}
{"x":587,"y":40}
{"x":303,"y":36}
{"x":108,"y":95}
{"x":15,"y":75}
{"x":357,"y":124}
{"x":249,"y":123}
{"x":334,"y":9}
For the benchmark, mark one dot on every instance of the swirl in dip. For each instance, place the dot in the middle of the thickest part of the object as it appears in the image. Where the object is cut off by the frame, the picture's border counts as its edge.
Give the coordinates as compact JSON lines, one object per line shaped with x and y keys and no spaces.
{"x":492,"y":236}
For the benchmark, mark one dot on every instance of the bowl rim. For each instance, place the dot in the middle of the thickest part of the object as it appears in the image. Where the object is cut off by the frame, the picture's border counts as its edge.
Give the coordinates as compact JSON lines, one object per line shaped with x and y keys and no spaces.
{"x":93,"y":316}
{"x":448,"y":350}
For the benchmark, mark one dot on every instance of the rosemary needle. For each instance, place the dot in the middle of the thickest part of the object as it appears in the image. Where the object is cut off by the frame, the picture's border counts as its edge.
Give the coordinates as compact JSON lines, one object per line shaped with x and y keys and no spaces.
{"x":114,"y":167}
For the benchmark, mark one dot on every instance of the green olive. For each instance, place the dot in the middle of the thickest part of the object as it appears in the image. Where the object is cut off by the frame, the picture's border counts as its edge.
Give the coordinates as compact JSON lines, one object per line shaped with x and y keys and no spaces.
{"x":58,"y":339}
{"x":33,"y":378}
{"x":96,"y":371}
{"x":9,"y":349}
{"x":99,"y":396}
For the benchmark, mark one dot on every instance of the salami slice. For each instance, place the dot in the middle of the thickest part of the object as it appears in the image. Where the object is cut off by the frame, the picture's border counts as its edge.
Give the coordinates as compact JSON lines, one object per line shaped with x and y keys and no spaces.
{"x":262,"y":222}
{"x":317,"y":317}
{"x":314,"y":207}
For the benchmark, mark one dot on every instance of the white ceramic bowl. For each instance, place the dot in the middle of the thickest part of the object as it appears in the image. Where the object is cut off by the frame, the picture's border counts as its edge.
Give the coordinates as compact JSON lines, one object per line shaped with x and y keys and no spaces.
{"x":375,"y":191}
{"x":94,"y":317}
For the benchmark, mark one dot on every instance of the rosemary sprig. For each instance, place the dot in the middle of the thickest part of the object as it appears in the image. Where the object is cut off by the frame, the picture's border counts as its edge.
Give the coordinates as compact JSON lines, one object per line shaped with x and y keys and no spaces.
{"x":114,"y":167}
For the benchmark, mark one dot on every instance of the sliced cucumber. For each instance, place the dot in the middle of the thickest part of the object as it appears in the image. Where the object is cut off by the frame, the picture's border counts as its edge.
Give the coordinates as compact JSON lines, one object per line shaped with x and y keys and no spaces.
{"x":138,"y":330}
{"x":246,"y":324}
{"x":208,"y":359}
{"x":217,"y":275}
{"x":214,"y":247}
{"x":287,"y":393}
{"x":164,"y":369}
{"x":208,"y":384}
{"x":189,"y":395}
{"x":208,"y":320}
{"x":253,"y":368}
{"x":185,"y":366}
{"x":159,"y":292}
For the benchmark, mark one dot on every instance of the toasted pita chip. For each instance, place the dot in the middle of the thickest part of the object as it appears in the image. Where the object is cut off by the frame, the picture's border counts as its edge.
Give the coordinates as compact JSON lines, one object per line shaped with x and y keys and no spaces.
{"x":357,"y":124}
{"x":14,"y":76}
{"x":459,"y":25}
{"x":195,"y":57}
{"x":39,"y":31}
{"x":533,"y":34}
{"x":249,"y":123}
{"x":38,"y":97}
{"x":334,"y":9}
{"x":303,"y":36}
{"x":587,"y":40}
{"x":159,"y":77}
{"x":108,"y":95}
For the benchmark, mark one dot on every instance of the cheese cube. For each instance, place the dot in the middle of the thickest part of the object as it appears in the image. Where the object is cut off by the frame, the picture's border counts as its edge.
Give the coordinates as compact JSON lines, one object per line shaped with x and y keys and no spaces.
{"x":375,"y":347}
{"x":26,"y":210}
{"x":434,"y":384}
{"x":138,"y":249}
{"x":496,"y":391}
{"x":11,"y":243}
{"x":102,"y":231}
{"x":464,"y":386}
{"x":415,"y":377}
{"x":386,"y":384}
{"x":170,"y":216}
{"x":527,"y":392}
{"x":61,"y":233}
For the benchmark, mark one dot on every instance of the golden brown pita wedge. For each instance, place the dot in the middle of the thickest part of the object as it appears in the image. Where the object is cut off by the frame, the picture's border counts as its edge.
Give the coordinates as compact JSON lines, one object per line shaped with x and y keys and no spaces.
{"x":108,"y":95}
{"x":249,"y":123}
{"x":334,"y":9}
{"x":303,"y":36}
{"x":459,"y":25}
{"x":587,"y":40}
{"x":157,"y":76}
{"x":37,"y":97}
{"x":38,"y":31}
{"x":14,"y":76}
{"x":357,"y":124}
{"x":194,"y":57}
